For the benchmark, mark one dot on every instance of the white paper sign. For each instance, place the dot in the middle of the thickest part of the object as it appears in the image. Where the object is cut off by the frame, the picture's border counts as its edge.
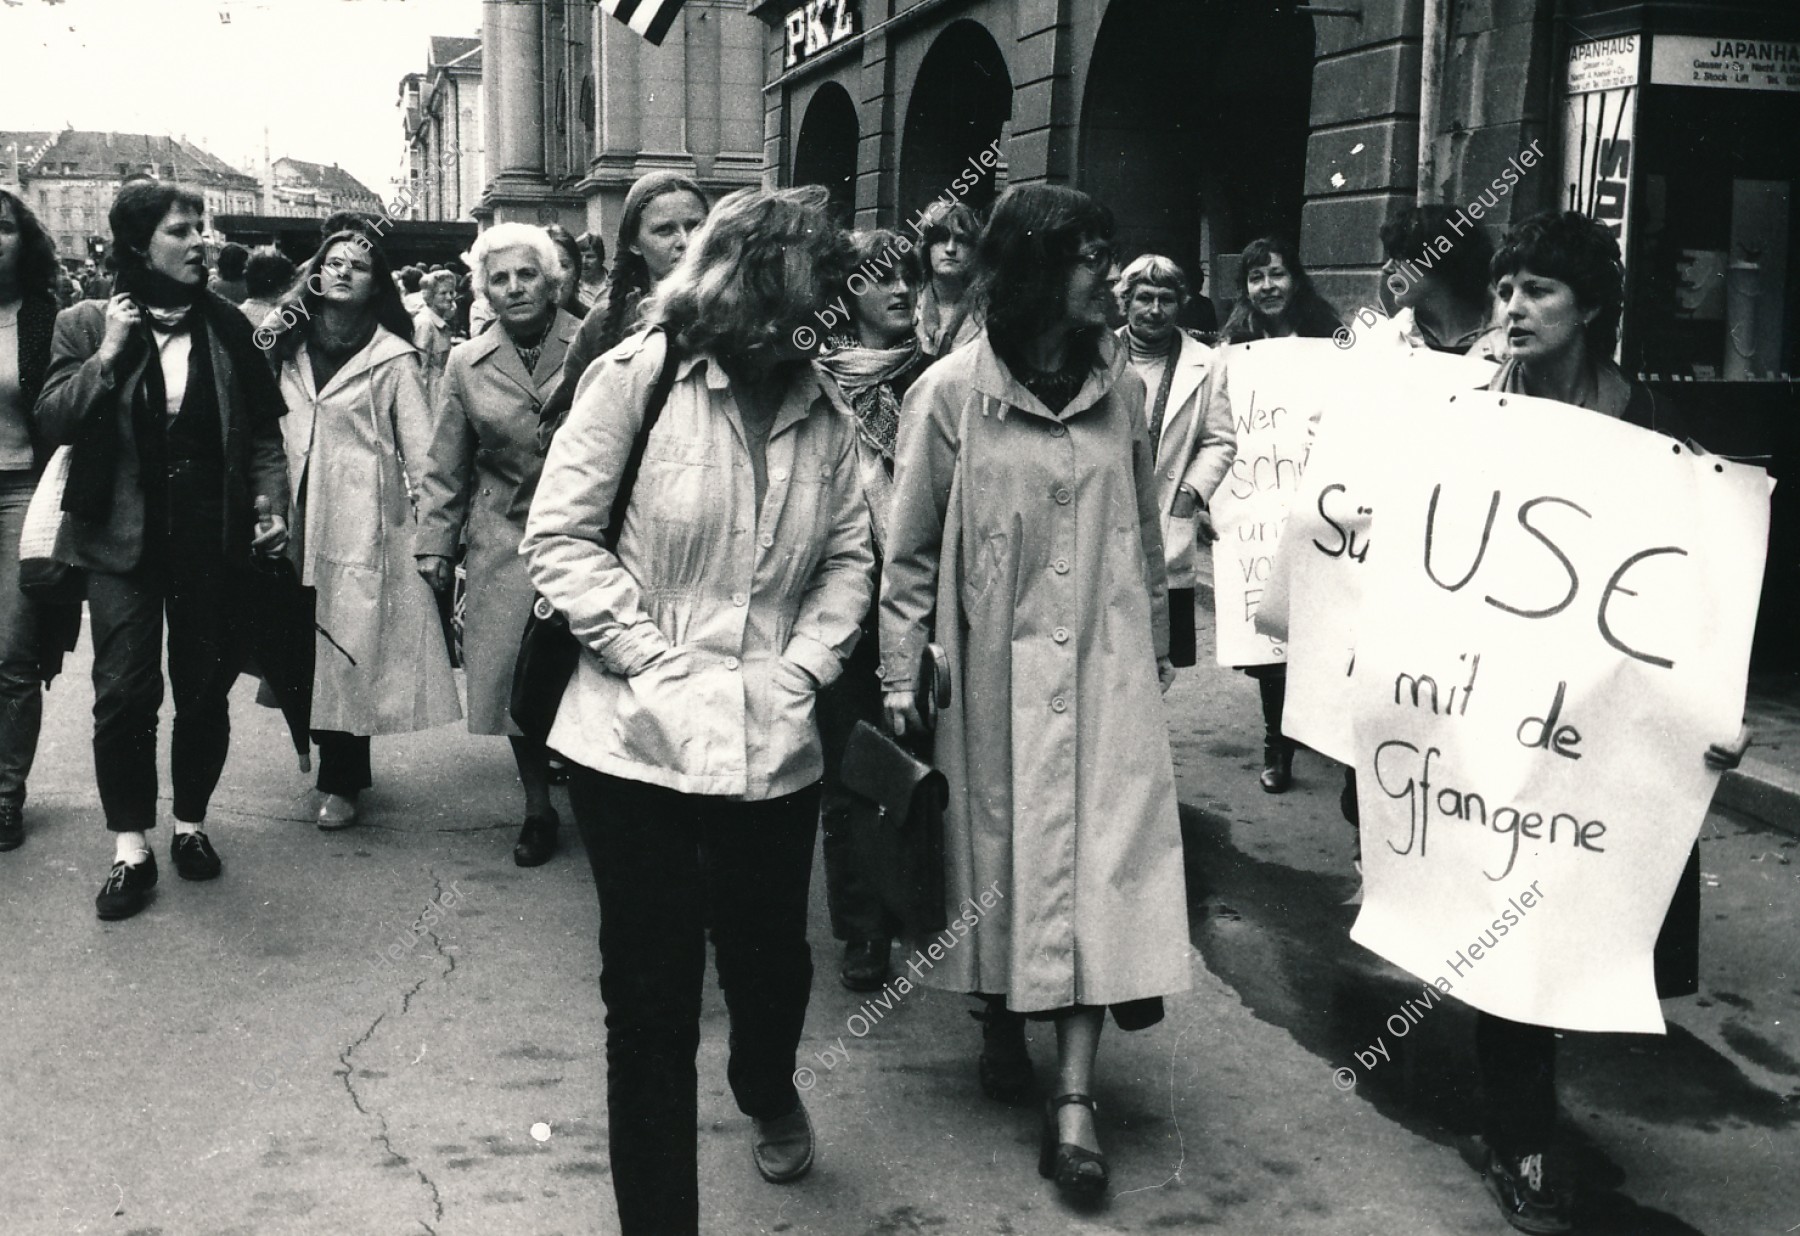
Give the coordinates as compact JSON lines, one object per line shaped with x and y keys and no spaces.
{"x":1554,"y":625}
{"x":1278,"y":387}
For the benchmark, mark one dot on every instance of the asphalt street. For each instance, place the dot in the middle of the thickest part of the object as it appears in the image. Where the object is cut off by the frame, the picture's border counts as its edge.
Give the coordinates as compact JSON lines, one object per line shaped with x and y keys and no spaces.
{"x":254,"y":1055}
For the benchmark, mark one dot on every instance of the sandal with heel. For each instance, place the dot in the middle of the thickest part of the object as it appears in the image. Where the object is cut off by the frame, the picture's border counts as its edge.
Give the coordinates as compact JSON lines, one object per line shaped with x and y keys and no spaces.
{"x":1080,"y":1174}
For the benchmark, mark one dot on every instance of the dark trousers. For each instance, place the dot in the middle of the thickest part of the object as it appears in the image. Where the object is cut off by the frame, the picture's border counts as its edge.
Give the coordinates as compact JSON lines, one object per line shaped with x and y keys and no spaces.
{"x":1184,"y":649}
{"x":126,"y":615}
{"x":21,"y":692}
{"x":1271,"y":681}
{"x":343,"y":762}
{"x":667,"y":865}
{"x":1517,"y":1063}
{"x":856,"y":909}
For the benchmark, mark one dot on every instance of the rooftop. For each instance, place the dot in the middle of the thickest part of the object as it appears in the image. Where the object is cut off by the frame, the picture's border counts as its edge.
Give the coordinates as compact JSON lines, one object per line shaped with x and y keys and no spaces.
{"x":89,"y":153}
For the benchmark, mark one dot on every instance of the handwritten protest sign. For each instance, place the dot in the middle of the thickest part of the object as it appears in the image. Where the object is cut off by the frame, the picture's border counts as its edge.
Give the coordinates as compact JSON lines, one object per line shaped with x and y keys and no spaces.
{"x":1278,"y":387}
{"x":1315,"y":585}
{"x":1554,"y":623}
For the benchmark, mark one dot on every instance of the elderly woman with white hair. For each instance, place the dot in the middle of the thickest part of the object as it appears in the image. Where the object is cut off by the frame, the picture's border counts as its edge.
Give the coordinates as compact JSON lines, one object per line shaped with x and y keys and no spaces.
{"x":1188,"y":414}
{"x":480,"y":477}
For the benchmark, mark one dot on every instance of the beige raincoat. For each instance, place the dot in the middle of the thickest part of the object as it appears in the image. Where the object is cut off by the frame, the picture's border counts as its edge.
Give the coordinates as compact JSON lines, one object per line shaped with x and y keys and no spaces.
{"x":1052,"y":606}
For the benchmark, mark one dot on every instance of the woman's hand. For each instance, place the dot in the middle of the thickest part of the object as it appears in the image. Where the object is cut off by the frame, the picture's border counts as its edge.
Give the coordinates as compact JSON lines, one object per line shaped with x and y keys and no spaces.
{"x":436,"y":571}
{"x":902,"y":713}
{"x":271,"y":537}
{"x":1204,"y":532}
{"x":1165,"y":674}
{"x":1725,"y":756}
{"x":122,"y":317}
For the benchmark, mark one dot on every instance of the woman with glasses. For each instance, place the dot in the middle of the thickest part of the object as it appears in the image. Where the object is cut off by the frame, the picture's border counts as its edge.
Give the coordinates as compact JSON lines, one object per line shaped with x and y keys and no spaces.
{"x":1025,"y":537}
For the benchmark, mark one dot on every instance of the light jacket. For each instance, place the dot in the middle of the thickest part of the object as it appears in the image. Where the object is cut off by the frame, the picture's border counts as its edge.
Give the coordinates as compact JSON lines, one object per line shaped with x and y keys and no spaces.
{"x":1195,"y":448}
{"x":1029,"y":546}
{"x":709,"y":633}
{"x":355,"y":450}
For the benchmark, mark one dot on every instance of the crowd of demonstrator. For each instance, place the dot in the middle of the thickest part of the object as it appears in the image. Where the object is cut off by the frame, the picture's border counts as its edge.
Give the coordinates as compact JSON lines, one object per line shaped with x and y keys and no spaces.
{"x":954,"y":466}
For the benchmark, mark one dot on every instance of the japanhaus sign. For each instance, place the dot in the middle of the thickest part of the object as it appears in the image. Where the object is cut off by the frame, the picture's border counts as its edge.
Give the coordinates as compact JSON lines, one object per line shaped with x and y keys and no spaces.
{"x":1724,"y":64}
{"x":816,"y":26}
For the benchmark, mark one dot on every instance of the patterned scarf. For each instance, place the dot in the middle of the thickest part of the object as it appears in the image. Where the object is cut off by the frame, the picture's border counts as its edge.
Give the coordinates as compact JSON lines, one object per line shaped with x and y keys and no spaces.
{"x":867,"y":377}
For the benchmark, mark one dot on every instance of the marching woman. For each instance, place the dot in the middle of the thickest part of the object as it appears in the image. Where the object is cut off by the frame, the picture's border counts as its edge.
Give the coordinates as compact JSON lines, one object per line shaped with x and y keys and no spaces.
{"x":27,"y":314}
{"x":1560,"y":285}
{"x":662,"y":210}
{"x":482,"y":474}
{"x":357,"y":429}
{"x":866,"y":377}
{"x":1188,"y":416}
{"x":731,"y":595}
{"x":176,"y":479}
{"x":947,"y":315}
{"x":1026,"y":534}
{"x":1276,"y":300}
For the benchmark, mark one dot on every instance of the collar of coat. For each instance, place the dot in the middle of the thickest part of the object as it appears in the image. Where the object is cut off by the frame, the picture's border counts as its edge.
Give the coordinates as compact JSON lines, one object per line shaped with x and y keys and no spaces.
{"x":495,"y":346}
{"x":383,"y":346}
{"x":803,"y":392}
{"x":989,"y":376}
{"x":1192,"y":364}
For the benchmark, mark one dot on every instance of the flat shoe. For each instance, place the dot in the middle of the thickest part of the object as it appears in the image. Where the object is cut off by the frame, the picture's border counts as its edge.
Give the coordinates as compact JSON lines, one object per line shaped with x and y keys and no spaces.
{"x":194,"y":857}
{"x":335,"y":812}
{"x":783,"y":1148}
{"x":537,"y":841}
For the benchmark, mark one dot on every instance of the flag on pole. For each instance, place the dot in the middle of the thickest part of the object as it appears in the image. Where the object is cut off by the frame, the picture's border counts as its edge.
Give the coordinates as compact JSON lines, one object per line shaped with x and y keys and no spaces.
{"x":650,"y":18}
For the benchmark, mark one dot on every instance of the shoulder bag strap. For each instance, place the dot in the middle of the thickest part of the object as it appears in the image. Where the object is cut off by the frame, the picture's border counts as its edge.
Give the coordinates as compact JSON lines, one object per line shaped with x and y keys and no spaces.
{"x":659,"y":396}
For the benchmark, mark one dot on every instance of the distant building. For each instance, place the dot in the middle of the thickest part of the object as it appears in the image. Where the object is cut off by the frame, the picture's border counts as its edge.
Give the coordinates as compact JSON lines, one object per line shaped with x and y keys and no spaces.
{"x":70,"y":179}
{"x":316,"y":190}
{"x":577,"y":107}
{"x":443,"y":116}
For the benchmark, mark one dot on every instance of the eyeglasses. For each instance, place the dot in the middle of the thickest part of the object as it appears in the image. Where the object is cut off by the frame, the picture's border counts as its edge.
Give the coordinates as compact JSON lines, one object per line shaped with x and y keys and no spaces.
{"x":1098,"y":259}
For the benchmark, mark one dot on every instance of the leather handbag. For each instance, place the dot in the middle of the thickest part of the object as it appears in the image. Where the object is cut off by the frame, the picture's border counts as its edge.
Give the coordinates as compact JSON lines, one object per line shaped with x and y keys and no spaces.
{"x":548,"y":650}
{"x":897,"y":813}
{"x":41,"y":576}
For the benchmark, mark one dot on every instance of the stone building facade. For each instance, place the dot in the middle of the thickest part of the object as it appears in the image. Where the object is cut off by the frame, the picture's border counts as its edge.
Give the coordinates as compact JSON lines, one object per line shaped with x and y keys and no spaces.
{"x":443,"y":115}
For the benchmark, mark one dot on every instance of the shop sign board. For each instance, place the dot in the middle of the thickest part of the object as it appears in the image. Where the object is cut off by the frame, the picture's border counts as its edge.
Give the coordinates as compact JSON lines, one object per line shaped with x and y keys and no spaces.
{"x":1724,"y":64}
{"x":816,"y":26}
{"x":1603,"y":64}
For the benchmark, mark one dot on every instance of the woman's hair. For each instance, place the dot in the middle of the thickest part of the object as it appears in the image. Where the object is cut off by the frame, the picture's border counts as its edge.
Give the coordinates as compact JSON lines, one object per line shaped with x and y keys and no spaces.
{"x":942,"y":220}
{"x":1152,"y":270}
{"x":871,"y":255}
{"x":1310,"y":314}
{"x":1573,"y":249}
{"x":1023,"y":261}
{"x":1460,"y":259}
{"x":409,"y":278}
{"x":593,"y":243}
{"x":436,"y":279}
{"x":511,"y":236}
{"x":757,"y":265}
{"x":232,"y":257}
{"x":630,"y":274}
{"x":140,"y":206}
{"x":571,"y":250}
{"x":302,"y":303}
{"x":37,"y":266}
{"x":268,"y":272}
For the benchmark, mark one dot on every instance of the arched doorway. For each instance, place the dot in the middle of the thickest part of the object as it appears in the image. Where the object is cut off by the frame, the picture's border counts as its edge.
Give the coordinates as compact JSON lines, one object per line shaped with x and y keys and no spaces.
{"x":825,"y":153}
{"x":1194,"y":126}
{"x":960,"y":100}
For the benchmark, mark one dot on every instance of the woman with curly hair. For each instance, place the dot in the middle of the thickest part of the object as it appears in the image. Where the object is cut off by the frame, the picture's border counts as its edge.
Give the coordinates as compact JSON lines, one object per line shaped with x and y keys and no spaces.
{"x":730,"y":595}
{"x":357,"y":431}
{"x":662,"y":210}
{"x":1025,"y":537}
{"x":27,"y":315}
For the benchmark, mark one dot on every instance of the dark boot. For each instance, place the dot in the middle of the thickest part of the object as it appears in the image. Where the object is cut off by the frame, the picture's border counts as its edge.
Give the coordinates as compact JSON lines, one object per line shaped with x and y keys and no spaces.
{"x":1278,"y":765}
{"x":1005,"y":1064}
{"x":1278,"y":751}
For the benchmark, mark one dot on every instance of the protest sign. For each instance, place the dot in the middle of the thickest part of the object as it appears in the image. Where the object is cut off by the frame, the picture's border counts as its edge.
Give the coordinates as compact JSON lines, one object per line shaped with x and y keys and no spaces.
{"x":1315,"y":582}
{"x":1553,"y":626}
{"x":1278,"y":387}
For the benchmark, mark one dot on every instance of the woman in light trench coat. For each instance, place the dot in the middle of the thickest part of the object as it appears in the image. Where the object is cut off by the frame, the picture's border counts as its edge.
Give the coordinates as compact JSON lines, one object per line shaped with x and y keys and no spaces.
{"x":1025,"y":533}
{"x":484,"y":469}
{"x":356,"y":432}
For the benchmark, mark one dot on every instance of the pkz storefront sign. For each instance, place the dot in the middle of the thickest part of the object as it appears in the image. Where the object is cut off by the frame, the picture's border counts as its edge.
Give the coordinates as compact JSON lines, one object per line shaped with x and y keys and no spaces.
{"x":1724,"y":64}
{"x":817,"y":25}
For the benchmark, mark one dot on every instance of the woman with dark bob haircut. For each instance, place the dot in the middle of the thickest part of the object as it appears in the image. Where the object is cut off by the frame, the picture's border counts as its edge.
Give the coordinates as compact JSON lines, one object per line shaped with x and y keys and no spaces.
{"x":175,"y":481}
{"x":731,"y":594}
{"x":1438,"y":279}
{"x":1561,"y":285}
{"x":27,"y":315}
{"x":1023,"y":457}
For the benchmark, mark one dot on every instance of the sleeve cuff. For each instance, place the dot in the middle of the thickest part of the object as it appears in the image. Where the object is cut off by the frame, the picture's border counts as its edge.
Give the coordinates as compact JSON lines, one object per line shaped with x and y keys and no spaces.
{"x":626,"y":651}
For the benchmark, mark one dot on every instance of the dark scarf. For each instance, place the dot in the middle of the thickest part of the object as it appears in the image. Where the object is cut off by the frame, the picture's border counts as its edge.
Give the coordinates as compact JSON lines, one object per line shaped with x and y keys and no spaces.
{"x":94,"y":461}
{"x":1142,"y":352}
{"x":328,"y":350}
{"x":530,"y":347}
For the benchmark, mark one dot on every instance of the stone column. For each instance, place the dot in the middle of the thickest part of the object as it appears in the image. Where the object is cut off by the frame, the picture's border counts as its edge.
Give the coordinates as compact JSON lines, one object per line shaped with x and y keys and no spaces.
{"x":517,"y":66}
